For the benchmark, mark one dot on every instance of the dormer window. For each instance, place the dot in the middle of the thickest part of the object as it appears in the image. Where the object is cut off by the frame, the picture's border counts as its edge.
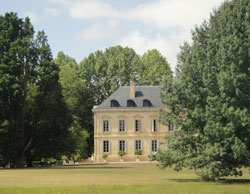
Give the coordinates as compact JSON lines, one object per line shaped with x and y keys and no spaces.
{"x":131,"y":103}
{"x":114,"y":103}
{"x":146,"y":103}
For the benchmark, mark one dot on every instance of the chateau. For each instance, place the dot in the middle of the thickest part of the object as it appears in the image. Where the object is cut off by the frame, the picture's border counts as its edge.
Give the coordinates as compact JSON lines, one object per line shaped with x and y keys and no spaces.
{"x":127,"y":120}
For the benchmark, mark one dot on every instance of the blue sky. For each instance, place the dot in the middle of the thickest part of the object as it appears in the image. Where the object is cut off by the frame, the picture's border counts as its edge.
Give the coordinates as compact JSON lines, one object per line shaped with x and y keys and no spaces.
{"x":80,"y":27}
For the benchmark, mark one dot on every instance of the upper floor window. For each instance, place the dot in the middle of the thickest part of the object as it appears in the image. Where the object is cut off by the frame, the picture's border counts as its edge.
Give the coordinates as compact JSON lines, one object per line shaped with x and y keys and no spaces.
{"x":114,"y":103}
{"x":154,"y":146}
{"x":131,"y":103}
{"x":170,"y":127}
{"x":154,"y":125}
{"x":122,"y":125}
{"x":105,"y":146}
{"x":122,"y":145}
{"x":137,"y":125}
{"x":105,"y":125}
{"x":146,"y":103}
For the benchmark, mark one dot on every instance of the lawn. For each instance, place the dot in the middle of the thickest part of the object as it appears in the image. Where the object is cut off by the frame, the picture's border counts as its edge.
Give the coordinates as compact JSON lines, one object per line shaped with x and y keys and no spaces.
{"x":115,"y":179}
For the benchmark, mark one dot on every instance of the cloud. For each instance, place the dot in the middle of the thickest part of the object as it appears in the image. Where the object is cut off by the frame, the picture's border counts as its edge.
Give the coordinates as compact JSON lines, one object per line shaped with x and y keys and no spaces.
{"x":51,"y":11}
{"x":88,"y":9}
{"x":170,"y":22}
{"x":100,"y":31}
{"x":141,"y":44}
{"x":169,"y":13}
{"x":33,"y":17}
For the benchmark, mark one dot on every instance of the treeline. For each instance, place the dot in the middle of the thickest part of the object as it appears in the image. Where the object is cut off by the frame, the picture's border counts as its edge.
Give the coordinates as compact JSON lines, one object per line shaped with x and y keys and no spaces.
{"x":46,"y":104}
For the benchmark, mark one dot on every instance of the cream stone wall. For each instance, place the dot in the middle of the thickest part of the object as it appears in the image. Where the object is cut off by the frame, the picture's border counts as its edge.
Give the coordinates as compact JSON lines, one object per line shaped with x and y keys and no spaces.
{"x":146,"y":135}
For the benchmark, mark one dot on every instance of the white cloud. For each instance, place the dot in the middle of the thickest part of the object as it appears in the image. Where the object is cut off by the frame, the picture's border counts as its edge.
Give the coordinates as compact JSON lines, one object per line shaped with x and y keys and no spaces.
{"x":162,"y":16}
{"x":51,"y":11}
{"x":167,"y":45}
{"x":33,"y":17}
{"x":169,"y":13}
{"x":88,"y":9}
{"x":100,"y":31}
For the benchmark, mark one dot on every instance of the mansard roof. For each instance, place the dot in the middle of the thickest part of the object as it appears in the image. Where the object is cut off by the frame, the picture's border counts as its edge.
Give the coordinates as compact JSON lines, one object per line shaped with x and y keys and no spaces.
{"x":122,"y":95}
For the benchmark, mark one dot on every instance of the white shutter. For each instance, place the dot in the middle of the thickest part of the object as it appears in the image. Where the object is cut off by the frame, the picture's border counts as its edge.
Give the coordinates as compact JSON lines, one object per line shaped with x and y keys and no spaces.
{"x":152,"y":125}
{"x":110,"y":147}
{"x":158,"y":145}
{"x":126,"y":146}
{"x":125,"y":126}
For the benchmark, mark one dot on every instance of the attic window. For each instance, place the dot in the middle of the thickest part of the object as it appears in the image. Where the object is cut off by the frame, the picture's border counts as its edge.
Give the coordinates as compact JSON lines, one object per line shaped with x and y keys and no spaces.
{"x":147,"y":103}
{"x":131,"y":103}
{"x":114,"y":103}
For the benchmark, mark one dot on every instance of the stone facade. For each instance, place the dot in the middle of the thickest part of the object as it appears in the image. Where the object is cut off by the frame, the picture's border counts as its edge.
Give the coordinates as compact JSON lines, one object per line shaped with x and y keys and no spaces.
{"x":122,"y":128}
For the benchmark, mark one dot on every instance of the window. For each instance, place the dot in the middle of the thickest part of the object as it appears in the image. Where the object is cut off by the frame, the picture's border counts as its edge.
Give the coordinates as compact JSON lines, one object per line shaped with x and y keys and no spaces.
{"x":138,"y":145}
{"x":105,"y":125}
{"x":121,"y":125}
{"x":170,"y":126}
{"x":154,"y":125}
{"x":131,"y":103}
{"x":122,"y":145}
{"x":114,"y":103}
{"x":105,"y":146}
{"x":146,"y":103}
{"x":154,"y":146}
{"x":137,"y":125}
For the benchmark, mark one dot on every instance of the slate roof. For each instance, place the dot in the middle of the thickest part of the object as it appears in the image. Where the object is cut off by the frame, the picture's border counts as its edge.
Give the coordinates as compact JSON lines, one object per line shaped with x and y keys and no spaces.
{"x":122,"y":94}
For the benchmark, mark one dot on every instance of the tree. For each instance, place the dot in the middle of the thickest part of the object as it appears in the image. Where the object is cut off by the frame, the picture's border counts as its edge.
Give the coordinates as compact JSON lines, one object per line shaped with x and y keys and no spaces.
{"x":153,"y":67}
{"x":34,"y":118}
{"x":210,"y":97}
{"x":80,"y":102}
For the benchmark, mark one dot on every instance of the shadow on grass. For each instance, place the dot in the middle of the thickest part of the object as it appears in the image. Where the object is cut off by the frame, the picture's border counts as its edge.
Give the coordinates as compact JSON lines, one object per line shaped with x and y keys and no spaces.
{"x":224,"y":181}
{"x":71,"y":167}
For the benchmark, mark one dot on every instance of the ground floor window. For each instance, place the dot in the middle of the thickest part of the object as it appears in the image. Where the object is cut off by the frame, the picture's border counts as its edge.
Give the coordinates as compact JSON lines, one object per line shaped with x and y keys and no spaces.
{"x":154,"y":146}
{"x":105,"y":146}
{"x":138,"y":145}
{"x":122,"y":145}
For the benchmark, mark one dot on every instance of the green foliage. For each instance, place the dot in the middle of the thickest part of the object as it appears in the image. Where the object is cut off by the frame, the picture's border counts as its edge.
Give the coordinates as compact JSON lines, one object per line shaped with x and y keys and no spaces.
{"x":33,"y":116}
{"x":138,"y":152}
{"x":105,"y":71}
{"x":210,"y":97}
{"x":121,"y":153}
{"x":105,"y":155}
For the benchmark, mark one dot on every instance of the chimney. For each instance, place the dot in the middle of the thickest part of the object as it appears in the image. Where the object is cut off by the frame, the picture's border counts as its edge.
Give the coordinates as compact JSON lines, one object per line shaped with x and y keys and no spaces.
{"x":132,"y":89}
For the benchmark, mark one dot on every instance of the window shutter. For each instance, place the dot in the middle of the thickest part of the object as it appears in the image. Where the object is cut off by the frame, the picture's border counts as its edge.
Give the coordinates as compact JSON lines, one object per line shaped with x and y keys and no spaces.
{"x":118,"y":126}
{"x":109,"y":125}
{"x":158,"y":145}
{"x":142,"y":145}
{"x":110,"y":147}
{"x":118,"y":146}
{"x":125,"y":126}
{"x":152,"y":125}
{"x":126,"y":146}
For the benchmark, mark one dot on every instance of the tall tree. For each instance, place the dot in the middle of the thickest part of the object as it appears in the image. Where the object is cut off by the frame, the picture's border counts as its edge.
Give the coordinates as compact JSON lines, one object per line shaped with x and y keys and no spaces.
{"x":77,"y":100}
{"x":210,"y":97}
{"x":34,"y":120}
{"x":154,"y":66}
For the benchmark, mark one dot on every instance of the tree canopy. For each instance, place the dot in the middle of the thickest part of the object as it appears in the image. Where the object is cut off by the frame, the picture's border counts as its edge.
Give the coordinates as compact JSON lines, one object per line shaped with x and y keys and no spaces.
{"x":210,"y":97}
{"x":33,"y":116}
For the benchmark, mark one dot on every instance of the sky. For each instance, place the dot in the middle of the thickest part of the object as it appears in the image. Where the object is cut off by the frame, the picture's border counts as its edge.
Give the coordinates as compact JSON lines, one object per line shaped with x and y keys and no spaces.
{"x":81,"y":27}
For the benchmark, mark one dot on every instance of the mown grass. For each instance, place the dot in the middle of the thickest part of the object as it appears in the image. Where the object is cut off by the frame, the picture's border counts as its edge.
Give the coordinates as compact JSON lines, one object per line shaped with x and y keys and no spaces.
{"x":115,"y":179}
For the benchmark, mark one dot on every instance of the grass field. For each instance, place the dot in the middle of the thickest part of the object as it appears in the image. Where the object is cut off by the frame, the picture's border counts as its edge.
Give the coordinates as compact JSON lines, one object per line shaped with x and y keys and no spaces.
{"x":115,"y":179}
